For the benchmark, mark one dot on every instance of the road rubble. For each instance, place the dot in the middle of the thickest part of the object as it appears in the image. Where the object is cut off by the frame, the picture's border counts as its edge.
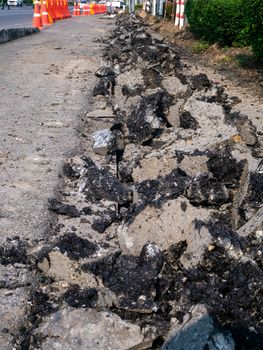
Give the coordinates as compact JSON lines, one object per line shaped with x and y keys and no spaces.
{"x":158,"y":240}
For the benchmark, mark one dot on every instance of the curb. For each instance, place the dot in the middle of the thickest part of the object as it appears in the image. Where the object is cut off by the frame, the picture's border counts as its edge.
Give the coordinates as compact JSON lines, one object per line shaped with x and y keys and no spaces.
{"x":15,"y":33}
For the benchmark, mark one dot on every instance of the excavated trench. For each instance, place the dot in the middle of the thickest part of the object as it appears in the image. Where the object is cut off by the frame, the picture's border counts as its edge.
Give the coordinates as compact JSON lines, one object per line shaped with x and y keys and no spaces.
{"x":160,"y":221}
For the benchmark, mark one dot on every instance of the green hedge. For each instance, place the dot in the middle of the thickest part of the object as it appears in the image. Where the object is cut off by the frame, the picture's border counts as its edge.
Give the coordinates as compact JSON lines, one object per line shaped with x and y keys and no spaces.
{"x":221,"y":21}
{"x":228,"y":22}
{"x":254,"y":15}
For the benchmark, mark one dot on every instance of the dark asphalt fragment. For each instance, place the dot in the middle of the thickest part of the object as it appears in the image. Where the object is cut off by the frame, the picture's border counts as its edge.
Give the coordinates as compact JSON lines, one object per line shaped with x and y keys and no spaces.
{"x":225,"y":168}
{"x":206,"y":190}
{"x":133,"y":279}
{"x":63,"y":209}
{"x":14,"y":250}
{"x":99,"y":184}
{"x":76,"y":247}
{"x":187,"y":121}
{"x":80,"y":297}
{"x":106,"y":219}
{"x":200,"y":81}
{"x":148,"y":117}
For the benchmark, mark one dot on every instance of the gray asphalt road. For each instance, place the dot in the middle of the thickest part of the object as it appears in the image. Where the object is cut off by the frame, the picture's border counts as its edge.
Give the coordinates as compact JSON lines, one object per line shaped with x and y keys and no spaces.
{"x":16,"y":17}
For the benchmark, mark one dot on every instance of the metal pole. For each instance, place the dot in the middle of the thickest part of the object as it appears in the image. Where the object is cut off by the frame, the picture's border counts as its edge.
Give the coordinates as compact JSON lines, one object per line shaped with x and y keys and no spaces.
{"x":131,"y":6}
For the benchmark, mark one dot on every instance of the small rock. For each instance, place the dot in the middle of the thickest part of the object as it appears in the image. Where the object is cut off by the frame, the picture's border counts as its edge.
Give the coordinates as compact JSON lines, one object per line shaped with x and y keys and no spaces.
{"x":173,"y":116}
{"x":106,"y":141}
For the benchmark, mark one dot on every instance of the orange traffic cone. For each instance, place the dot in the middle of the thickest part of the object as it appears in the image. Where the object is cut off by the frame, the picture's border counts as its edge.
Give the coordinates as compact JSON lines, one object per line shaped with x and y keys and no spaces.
{"x":37,"y":22}
{"x":55,"y":9}
{"x":75,"y":9}
{"x":66,"y":9}
{"x":50,"y":12}
{"x":84,"y":10}
{"x":44,"y":14}
{"x":78,"y":10}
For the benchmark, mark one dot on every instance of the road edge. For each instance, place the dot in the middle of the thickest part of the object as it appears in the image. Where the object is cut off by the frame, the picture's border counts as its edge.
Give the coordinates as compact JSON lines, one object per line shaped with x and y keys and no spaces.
{"x":16,"y":33}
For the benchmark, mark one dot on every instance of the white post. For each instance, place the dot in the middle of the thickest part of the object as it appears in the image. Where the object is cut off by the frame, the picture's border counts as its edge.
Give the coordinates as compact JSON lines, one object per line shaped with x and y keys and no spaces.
{"x":154,"y":7}
{"x":177,"y":14}
{"x":182,"y":7}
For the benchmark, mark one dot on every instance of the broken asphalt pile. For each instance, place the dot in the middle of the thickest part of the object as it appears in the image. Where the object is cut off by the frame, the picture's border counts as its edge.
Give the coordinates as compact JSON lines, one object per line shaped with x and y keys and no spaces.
{"x":159,"y":237}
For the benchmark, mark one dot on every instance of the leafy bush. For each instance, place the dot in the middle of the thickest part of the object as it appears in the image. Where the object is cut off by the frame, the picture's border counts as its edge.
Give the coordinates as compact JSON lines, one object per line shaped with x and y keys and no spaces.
{"x":221,"y":21}
{"x":254,"y":17}
{"x":138,"y":7}
{"x":169,"y":10}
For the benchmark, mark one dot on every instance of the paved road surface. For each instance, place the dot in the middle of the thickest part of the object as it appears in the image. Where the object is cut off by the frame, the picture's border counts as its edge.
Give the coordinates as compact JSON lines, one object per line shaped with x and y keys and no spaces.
{"x":16,"y":17}
{"x":46,"y":80}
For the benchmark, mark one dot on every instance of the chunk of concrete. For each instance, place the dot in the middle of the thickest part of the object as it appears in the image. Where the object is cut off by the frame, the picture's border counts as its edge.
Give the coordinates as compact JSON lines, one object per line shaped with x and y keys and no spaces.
{"x":151,"y":168}
{"x":194,"y":165}
{"x":254,"y":225}
{"x":60,"y":268}
{"x":126,"y":98}
{"x":101,"y":113}
{"x":173,"y":86}
{"x":175,"y":221}
{"x":173,"y":115}
{"x":88,"y":330}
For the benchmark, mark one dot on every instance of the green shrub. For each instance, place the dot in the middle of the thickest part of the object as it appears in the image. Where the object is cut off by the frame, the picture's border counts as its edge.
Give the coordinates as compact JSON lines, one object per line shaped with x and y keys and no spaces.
{"x":169,"y":10}
{"x":138,"y":7}
{"x":254,"y":18}
{"x":221,"y":21}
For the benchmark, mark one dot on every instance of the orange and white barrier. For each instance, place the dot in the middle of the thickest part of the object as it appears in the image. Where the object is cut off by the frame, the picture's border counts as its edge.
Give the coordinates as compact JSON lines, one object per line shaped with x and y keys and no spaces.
{"x":49,"y":12}
{"x":86,"y":10}
{"x":92,"y":12}
{"x":44,"y":14}
{"x":180,"y":16}
{"x":37,"y":21}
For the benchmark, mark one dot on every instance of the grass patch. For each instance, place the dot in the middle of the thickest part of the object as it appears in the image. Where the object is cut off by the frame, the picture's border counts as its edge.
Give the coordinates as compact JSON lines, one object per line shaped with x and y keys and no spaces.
{"x":200,"y":47}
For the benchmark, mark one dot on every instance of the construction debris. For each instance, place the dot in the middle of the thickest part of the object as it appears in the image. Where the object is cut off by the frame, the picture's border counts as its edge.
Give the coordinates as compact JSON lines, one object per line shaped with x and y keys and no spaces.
{"x":162,"y":247}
